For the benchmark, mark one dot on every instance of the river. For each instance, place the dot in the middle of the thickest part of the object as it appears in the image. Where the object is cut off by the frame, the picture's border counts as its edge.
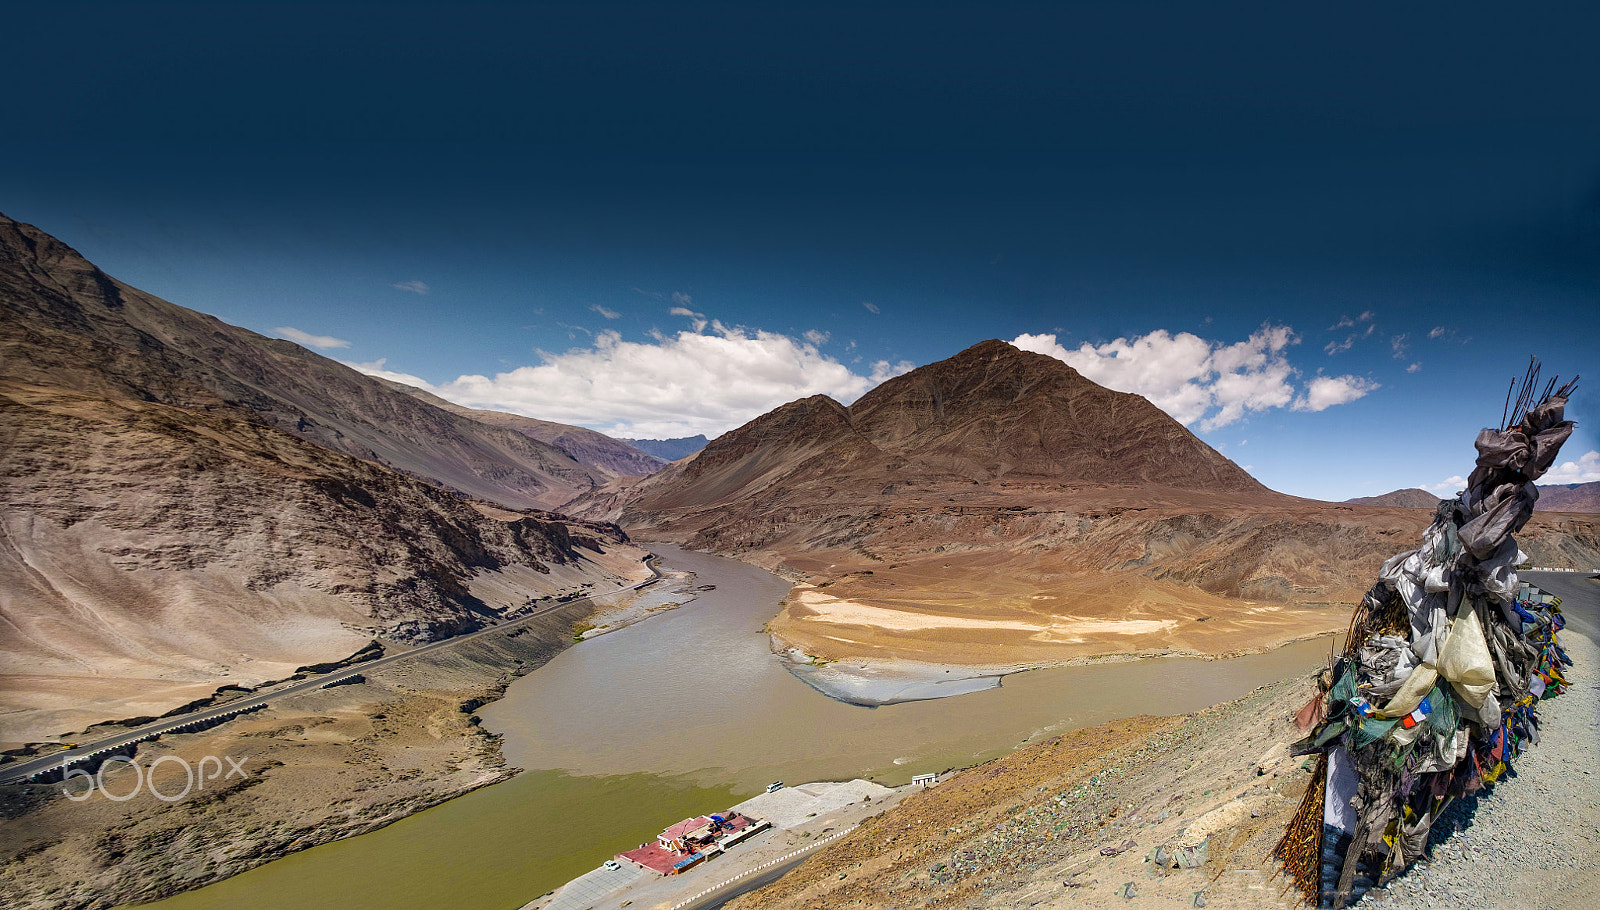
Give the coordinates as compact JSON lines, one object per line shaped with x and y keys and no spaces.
{"x":686,"y":713}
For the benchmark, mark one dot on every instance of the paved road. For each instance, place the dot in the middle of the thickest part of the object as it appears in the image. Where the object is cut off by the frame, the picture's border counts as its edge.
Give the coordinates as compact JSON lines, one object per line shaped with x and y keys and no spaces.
{"x":1580,"y":598}
{"x":16,"y":773}
{"x":745,"y":886}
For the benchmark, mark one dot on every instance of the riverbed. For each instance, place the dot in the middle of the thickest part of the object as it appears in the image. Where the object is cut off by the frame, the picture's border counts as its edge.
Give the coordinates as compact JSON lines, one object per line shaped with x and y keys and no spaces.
{"x":686,"y":713}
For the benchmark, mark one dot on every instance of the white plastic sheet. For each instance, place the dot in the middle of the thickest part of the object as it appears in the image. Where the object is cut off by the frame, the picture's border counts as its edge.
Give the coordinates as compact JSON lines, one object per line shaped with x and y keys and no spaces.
{"x":1465,"y":660}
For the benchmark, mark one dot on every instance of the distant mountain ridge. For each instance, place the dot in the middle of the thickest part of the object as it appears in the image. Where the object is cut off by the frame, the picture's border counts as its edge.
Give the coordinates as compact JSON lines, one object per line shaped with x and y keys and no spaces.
{"x":604,"y":457}
{"x":1406,"y":499}
{"x":1571,"y":497}
{"x":670,"y":449}
{"x":88,"y":331}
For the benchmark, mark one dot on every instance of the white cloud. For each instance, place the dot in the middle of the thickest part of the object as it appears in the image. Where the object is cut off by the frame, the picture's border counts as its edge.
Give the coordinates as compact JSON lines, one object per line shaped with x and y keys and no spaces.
{"x":1398,"y":345}
{"x":1437,"y":331}
{"x":415,"y":287}
{"x":609,"y":314}
{"x":816,"y":337}
{"x":1450,"y":485}
{"x":1324,"y":392}
{"x":375,"y":368}
{"x":1187,"y":376}
{"x":871,"y":307}
{"x":698,"y":320}
{"x":883,"y":371}
{"x":1344,"y":322}
{"x":323,"y":342}
{"x":1585,"y":470}
{"x":1339,"y":347}
{"x":1414,"y":367}
{"x":681,"y":299}
{"x":676,"y":385}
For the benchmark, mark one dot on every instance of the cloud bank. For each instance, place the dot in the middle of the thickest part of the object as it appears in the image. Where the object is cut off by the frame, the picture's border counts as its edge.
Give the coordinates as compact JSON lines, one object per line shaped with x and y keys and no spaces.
{"x":1193,"y":379}
{"x":675,"y":385}
{"x":1585,"y":470}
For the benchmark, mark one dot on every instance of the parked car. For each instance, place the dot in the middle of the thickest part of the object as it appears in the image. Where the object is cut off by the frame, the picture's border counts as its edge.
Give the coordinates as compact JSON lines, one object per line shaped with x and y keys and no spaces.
{"x":775,"y":786}
{"x":613,"y":865}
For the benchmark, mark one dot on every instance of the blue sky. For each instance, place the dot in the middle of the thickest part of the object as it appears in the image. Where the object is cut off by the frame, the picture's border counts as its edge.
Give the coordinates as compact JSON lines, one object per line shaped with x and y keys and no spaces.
{"x":1324,"y":239}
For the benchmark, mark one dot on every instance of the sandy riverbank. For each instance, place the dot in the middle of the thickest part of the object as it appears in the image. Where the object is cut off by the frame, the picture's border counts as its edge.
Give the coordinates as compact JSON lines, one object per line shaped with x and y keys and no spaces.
{"x":871,"y":682}
{"x":674,"y":589}
{"x":968,"y":611}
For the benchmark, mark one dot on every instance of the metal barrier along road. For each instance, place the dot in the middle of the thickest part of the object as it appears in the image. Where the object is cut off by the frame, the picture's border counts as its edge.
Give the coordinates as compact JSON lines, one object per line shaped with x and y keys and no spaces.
{"x":764,"y":866}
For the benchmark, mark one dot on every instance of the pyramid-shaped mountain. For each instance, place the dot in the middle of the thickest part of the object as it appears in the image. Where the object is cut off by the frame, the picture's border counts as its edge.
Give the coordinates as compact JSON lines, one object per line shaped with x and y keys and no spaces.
{"x":993,"y":424}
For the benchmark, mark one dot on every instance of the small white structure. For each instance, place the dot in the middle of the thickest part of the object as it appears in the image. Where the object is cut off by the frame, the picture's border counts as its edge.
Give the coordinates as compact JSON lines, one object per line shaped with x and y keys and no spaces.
{"x":924,"y":780}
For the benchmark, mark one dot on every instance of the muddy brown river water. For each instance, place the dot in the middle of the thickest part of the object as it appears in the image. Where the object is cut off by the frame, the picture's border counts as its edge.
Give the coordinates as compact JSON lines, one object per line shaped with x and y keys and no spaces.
{"x":686,"y":713}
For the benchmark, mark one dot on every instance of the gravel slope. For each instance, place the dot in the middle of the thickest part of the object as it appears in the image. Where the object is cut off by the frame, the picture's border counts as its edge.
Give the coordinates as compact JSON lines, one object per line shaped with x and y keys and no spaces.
{"x":1050,"y":826}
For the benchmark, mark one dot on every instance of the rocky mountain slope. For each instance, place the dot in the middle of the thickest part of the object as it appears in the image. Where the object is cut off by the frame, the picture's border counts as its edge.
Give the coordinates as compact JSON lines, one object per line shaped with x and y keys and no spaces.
{"x":1571,"y":497}
{"x":161,"y":534}
{"x":603,"y":457}
{"x":84,"y":330}
{"x":1403,"y":499}
{"x":999,"y":508}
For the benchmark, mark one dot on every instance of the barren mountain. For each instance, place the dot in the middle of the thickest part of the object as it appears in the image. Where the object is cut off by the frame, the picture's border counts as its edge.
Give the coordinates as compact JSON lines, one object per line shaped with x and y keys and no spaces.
{"x":992,"y":417}
{"x":1571,"y":497}
{"x":603,"y":457}
{"x":158,"y":539}
{"x":997,"y":507}
{"x":1403,"y":499}
{"x":73,"y":323}
{"x":991,"y":424}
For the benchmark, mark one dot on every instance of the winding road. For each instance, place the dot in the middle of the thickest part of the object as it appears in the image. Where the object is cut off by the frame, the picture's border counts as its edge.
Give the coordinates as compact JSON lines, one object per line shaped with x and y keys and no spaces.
{"x":21,"y":772}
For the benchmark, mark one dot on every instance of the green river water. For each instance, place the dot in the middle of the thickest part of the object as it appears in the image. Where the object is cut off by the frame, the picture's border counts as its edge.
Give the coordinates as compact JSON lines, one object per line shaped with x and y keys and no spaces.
{"x":688,"y":713}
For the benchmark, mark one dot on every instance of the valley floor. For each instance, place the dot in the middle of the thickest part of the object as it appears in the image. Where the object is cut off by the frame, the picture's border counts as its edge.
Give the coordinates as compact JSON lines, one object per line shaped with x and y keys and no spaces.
{"x":1065,"y":823}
